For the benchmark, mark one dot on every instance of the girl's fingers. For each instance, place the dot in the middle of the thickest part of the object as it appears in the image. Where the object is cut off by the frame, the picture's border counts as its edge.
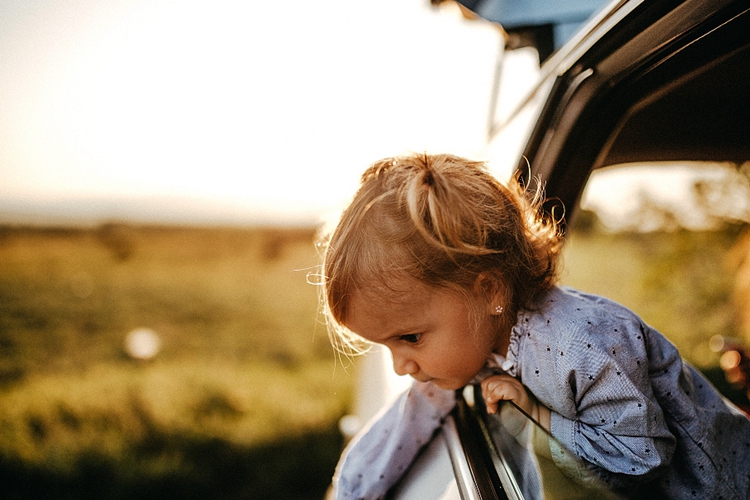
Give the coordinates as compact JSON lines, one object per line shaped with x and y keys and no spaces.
{"x":499,"y":387}
{"x":491,"y":407}
{"x":504,"y":387}
{"x":494,"y":389}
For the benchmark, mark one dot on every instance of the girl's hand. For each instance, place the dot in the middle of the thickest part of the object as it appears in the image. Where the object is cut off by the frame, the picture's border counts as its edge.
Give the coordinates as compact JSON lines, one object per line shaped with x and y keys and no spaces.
{"x":504,"y":387}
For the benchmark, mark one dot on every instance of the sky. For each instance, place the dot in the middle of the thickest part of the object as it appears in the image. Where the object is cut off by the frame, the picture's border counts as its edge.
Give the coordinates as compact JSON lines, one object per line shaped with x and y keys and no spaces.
{"x":254,"y":110}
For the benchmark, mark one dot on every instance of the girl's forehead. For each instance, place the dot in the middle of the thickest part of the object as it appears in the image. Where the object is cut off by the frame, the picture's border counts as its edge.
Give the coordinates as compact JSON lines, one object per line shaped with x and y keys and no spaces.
{"x":377,"y":317}
{"x":394,"y":289}
{"x":394,"y":297}
{"x":404,"y":296}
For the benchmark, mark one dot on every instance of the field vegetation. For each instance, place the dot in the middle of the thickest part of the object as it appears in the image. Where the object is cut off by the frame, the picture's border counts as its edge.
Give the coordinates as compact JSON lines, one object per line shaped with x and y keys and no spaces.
{"x":243,"y":399}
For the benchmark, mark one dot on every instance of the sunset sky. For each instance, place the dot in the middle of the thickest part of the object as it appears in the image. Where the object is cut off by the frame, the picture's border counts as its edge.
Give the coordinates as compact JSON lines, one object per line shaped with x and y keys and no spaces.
{"x":264,"y":108}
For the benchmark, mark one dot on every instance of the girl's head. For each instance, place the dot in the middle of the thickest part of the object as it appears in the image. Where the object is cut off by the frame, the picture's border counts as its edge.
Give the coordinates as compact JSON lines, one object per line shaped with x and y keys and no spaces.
{"x":440,"y":221}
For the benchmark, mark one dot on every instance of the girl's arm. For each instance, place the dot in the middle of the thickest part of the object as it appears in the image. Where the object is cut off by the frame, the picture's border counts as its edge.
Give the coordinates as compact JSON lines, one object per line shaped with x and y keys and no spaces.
{"x":608,"y":414}
{"x":498,"y":388}
{"x":593,"y":363}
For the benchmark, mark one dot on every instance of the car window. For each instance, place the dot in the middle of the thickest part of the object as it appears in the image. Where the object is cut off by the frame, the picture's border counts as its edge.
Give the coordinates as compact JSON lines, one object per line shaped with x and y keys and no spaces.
{"x":523,"y":457}
{"x":671,"y":242}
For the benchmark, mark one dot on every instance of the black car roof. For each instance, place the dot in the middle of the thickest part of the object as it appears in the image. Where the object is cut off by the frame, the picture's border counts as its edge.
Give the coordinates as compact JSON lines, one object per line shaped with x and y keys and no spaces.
{"x":646,"y":81}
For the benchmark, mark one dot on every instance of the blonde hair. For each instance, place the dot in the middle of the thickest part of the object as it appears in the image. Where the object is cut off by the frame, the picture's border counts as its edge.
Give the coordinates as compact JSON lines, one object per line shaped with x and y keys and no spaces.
{"x":441,"y":220}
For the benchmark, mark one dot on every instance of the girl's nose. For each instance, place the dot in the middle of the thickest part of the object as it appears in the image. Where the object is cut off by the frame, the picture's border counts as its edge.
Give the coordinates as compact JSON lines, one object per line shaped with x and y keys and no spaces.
{"x":403,"y":365}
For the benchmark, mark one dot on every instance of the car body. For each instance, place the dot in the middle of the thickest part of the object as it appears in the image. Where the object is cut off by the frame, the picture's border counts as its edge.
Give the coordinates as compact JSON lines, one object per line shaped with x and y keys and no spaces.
{"x":662,"y":83}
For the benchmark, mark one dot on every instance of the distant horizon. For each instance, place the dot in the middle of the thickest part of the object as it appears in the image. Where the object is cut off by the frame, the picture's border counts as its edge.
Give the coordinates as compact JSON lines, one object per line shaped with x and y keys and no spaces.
{"x":616,"y":195}
{"x":95,"y":210}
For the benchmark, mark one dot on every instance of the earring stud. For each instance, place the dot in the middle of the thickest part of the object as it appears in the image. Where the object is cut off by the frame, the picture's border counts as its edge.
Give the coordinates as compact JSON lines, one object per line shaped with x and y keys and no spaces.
{"x":498,"y":309}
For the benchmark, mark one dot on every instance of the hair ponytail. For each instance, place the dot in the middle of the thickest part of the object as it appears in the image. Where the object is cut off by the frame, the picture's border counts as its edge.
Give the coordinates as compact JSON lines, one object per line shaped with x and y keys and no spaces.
{"x":441,"y":220}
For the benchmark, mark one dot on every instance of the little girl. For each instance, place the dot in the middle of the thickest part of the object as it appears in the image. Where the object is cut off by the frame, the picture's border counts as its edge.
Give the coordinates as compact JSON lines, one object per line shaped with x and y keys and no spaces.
{"x":455,"y":273}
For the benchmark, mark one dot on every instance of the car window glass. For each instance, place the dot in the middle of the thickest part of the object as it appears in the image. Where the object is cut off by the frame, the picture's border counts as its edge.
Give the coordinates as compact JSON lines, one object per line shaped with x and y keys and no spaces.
{"x":671,"y":242}
{"x":538,"y":466}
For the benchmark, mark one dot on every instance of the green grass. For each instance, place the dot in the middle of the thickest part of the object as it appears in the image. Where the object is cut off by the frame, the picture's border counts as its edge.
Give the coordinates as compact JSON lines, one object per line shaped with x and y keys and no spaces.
{"x":242,"y":401}
{"x":68,"y":297}
{"x":210,"y":429}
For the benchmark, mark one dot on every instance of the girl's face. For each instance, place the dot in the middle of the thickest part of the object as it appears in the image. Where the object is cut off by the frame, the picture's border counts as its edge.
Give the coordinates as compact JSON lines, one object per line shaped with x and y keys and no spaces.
{"x":428,"y":332}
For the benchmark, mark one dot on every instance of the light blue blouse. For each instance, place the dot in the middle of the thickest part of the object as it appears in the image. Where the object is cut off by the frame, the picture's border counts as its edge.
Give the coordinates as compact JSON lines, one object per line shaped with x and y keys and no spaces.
{"x":622,"y":400}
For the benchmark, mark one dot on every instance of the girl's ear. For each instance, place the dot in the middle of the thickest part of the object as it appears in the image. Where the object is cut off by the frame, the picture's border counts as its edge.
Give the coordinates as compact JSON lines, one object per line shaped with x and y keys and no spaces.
{"x":493,"y":291}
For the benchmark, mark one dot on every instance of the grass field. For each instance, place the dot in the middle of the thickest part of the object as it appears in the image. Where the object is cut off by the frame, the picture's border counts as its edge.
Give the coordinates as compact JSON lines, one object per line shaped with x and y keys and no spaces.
{"x":244,"y":397}
{"x":242,"y":401}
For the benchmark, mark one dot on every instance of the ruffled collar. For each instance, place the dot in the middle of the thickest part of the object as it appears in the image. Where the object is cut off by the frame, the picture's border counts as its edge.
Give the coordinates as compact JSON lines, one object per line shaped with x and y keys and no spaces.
{"x":504,"y":364}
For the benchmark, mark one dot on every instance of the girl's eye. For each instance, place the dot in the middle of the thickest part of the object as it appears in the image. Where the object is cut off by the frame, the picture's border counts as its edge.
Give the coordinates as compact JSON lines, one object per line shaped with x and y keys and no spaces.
{"x":411,"y":338}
